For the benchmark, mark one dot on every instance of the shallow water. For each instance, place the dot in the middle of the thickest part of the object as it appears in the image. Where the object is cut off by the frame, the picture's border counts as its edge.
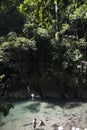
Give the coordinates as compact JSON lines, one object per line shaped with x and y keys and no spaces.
{"x":20,"y":118}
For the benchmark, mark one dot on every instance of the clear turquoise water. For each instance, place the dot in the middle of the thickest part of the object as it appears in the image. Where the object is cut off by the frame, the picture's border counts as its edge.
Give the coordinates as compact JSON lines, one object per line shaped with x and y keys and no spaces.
{"x":24,"y":112}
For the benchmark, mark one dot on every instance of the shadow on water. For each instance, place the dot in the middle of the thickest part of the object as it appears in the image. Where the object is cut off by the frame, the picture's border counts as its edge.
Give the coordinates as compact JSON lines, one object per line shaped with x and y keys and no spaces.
{"x":52,"y":106}
{"x":31,"y":124}
{"x":33,"y":107}
{"x":40,"y":129}
{"x":54,"y":125}
{"x":71,"y":105}
{"x":7,"y":121}
{"x":2,"y":123}
{"x":27,"y":125}
{"x":65,"y":104}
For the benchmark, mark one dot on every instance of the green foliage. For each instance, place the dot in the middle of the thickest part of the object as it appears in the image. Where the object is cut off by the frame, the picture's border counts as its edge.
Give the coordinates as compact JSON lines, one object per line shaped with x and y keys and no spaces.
{"x":43,"y":33}
{"x":17,"y":56}
{"x":65,"y":27}
{"x":5,"y":109}
{"x":2,"y":76}
{"x":38,"y":11}
{"x":10,"y":18}
{"x":29,"y":30}
{"x":42,"y":44}
{"x":79,"y":12}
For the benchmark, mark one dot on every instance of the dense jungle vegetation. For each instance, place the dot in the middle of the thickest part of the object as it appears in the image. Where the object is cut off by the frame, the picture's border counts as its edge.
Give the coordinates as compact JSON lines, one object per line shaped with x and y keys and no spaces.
{"x":43,"y":47}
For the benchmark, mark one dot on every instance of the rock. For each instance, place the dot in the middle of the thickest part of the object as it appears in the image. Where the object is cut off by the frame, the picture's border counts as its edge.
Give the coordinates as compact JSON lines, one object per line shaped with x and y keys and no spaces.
{"x":85,"y":128}
{"x":60,"y":128}
{"x":77,"y":128}
{"x":73,"y":128}
{"x":41,"y":123}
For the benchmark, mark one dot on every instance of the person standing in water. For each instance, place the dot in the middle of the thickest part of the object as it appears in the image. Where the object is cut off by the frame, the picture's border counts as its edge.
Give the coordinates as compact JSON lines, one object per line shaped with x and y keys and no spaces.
{"x":34,"y":123}
{"x":32,"y":96}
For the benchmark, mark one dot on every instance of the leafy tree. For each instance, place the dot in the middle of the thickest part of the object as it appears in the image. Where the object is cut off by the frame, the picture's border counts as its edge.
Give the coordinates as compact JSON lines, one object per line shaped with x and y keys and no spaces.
{"x":43,"y":45}
{"x":10,"y":18}
{"x":5,"y":109}
{"x":17,"y":56}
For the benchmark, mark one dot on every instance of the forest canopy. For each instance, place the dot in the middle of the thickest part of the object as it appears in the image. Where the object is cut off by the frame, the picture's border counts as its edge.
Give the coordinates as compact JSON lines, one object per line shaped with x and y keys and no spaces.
{"x":43,"y":47}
